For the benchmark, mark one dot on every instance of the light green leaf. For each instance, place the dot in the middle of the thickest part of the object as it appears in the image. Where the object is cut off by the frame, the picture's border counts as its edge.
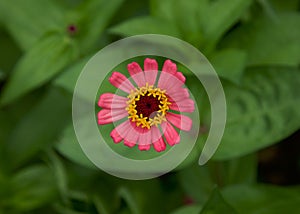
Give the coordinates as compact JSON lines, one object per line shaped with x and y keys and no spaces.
{"x":229,"y":64}
{"x":216,"y":204}
{"x":261,"y":112}
{"x":32,"y":188}
{"x":46,"y":59}
{"x":190,"y":209}
{"x":38,"y":129}
{"x":263,"y":199}
{"x":145,"y":25}
{"x":29,"y":20}
{"x":70,"y":148}
{"x":269,"y":41}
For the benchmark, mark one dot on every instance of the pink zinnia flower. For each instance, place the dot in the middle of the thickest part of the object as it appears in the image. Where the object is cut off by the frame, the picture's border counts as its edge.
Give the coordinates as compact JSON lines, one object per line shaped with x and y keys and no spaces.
{"x":151,"y":109}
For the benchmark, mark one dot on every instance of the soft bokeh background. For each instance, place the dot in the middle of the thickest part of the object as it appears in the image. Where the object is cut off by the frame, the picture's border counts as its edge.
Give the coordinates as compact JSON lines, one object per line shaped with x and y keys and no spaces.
{"x":254,"y":46}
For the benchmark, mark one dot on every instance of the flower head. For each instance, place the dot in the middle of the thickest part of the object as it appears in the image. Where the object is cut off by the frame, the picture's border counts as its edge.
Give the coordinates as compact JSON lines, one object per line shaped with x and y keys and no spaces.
{"x":152,"y":108}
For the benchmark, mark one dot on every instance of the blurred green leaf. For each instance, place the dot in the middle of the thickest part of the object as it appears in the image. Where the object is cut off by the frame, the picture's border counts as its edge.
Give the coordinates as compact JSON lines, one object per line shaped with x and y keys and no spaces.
{"x":262,"y":111}
{"x":41,"y":63}
{"x":189,"y":209}
{"x":216,"y":204}
{"x":230,"y":64}
{"x":68,"y":78}
{"x":269,"y":41}
{"x":33,"y":187}
{"x":39,"y":128}
{"x":28,"y":21}
{"x":220,"y":16}
{"x":145,"y":25}
{"x":287,"y":5}
{"x":94,"y":17}
{"x":263,"y":199}
{"x":70,"y":148}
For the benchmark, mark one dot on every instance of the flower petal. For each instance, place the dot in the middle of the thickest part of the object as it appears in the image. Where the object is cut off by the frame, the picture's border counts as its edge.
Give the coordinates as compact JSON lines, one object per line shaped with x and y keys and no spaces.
{"x":169,"y":69}
{"x":158,"y":142}
{"x":129,"y":144}
{"x":137,"y":74}
{"x":110,"y":100}
{"x":186,"y":105}
{"x":118,"y":133}
{"x":106,"y":116}
{"x":180,"y":76}
{"x":151,"y":70}
{"x":180,"y":121}
{"x":144,"y":142}
{"x":120,"y":81}
{"x":180,"y":94}
{"x":171,"y":135}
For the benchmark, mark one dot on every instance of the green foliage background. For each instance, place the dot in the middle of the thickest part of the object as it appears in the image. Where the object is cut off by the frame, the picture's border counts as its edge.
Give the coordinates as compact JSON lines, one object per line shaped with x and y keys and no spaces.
{"x":254,"y":46}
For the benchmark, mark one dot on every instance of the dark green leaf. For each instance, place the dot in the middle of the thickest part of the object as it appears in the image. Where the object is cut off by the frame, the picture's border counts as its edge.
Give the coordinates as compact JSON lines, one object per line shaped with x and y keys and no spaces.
{"x":39,"y":128}
{"x":41,"y":63}
{"x":189,"y":209}
{"x":260,"y":199}
{"x":32,"y":188}
{"x":261,"y":112}
{"x":28,"y":21}
{"x":216,"y":204}
{"x":269,"y":41}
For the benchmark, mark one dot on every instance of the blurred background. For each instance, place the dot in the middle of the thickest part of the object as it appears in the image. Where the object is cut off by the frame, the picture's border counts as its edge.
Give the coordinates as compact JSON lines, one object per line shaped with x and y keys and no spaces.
{"x":254,"y":45}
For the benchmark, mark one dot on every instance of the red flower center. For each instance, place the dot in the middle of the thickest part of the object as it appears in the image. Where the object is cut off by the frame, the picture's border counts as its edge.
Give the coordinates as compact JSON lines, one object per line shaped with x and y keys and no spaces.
{"x":147,"y":105}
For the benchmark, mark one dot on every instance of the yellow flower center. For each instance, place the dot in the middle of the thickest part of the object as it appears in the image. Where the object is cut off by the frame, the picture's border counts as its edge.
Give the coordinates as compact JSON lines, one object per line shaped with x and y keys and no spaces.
{"x":147,"y":106}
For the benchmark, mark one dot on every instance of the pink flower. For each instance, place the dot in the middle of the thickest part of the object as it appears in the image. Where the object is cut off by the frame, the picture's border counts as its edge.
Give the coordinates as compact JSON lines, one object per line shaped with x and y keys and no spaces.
{"x":152,"y":107}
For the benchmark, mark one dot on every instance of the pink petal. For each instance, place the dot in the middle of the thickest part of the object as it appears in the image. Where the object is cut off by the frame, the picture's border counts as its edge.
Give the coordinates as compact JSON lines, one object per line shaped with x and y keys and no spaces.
{"x":180,"y":94}
{"x":106,"y":116}
{"x":110,"y":100}
{"x":119,"y":133}
{"x":120,"y":81}
{"x":186,"y":105}
{"x":151,"y":70}
{"x":169,"y":82}
{"x":158,"y":142}
{"x":169,"y":67}
{"x":171,"y":135}
{"x":145,"y":140}
{"x":180,"y":121}
{"x":129,"y":144}
{"x":180,"y":76}
{"x":136,"y":73}
{"x":169,"y":70}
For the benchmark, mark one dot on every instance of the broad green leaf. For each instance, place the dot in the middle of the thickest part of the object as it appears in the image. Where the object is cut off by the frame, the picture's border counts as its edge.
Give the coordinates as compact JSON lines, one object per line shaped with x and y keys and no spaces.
{"x":189,"y":209}
{"x":269,"y":41}
{"x":220,"y":17}
{"x":28,"y":21}
{"x":263,"y":199}
{"x":145,"y":25}
{"x":70,"y":148}
{"x":39,"y":128}
{"x":68,"y":78}
{"x":260,"y":112}
{"x":229,"y":64}
{"x":94,"y":17}
{"x":162,"y":9}
{"x":46,"y":59}
{"x":216,"y":204}
{"x":287,"y":5}
{"x":33,"y":187}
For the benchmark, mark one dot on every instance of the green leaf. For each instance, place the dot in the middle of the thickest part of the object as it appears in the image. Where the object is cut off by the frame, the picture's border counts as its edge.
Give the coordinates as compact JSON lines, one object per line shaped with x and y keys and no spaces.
{"x":27,"y":21}
{"x":39,"y":128}
{"x":190,"y":209}
{"x":220,"y":17}
{"x":70,"y":148}
{"x":145,"y":25}
{"x":33,"y":187}
{"x":287,"y":5}
{"x":269,"y":41}
{"x":263,"y":199}
{"x":230,"y":64}
{"x":94,"y":17}
{"x":38,"y":65}
{"x":261,"y":112}
{"x":68,"y":78}
{"x":217,"y":204}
